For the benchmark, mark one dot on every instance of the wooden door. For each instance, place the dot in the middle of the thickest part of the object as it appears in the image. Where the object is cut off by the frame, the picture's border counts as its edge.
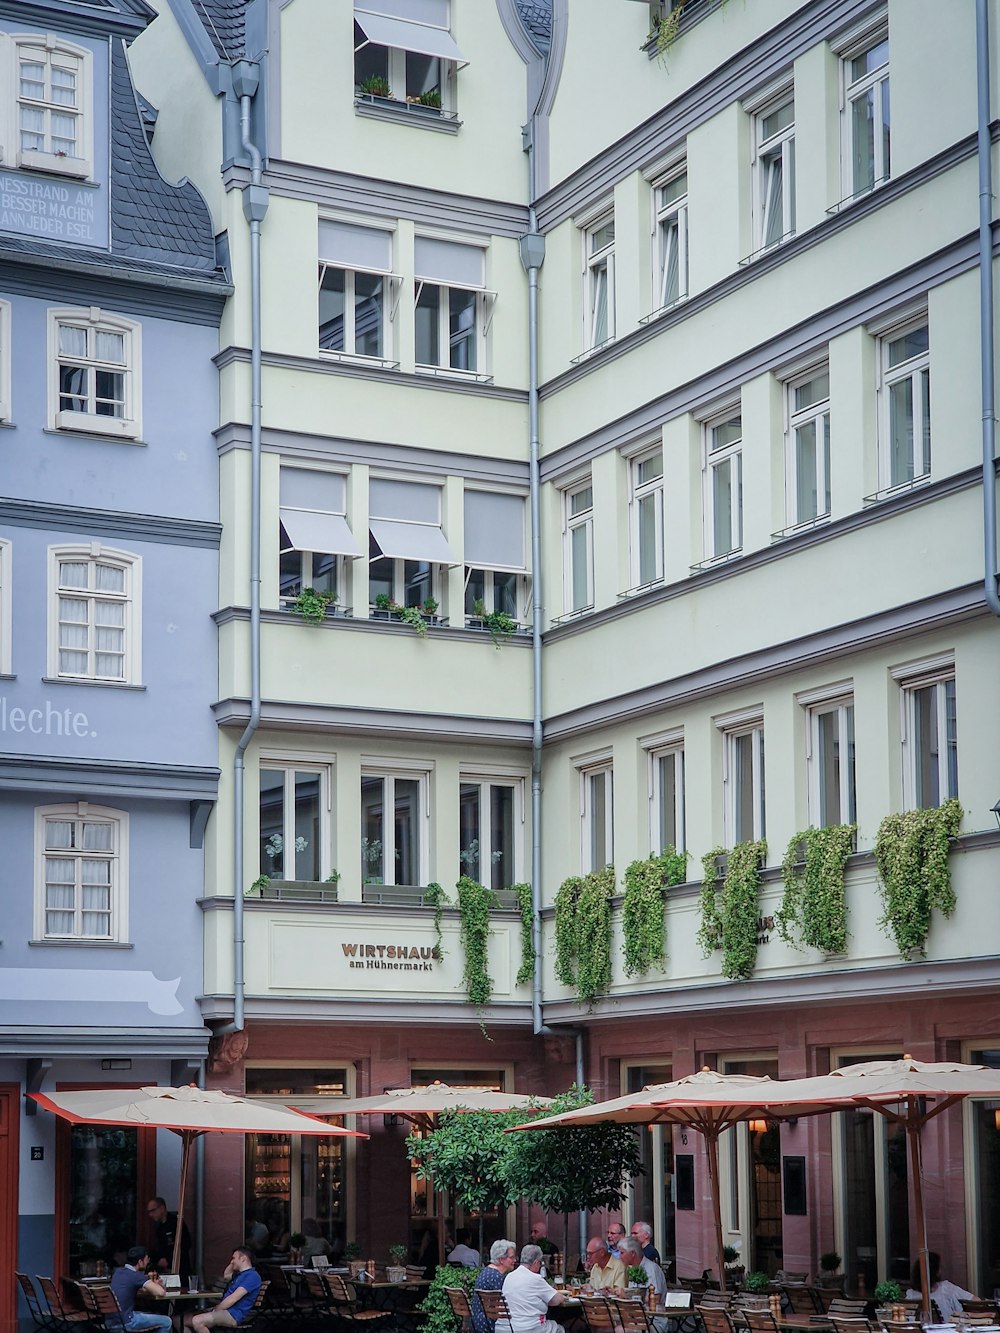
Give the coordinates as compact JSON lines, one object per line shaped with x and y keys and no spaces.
{"x":10,"y":1110}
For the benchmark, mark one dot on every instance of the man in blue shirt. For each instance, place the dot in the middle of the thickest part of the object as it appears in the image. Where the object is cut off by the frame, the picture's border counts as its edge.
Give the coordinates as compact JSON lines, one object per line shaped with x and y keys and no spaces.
{"x":238,"y":1301}
{"x":127,"y":1282}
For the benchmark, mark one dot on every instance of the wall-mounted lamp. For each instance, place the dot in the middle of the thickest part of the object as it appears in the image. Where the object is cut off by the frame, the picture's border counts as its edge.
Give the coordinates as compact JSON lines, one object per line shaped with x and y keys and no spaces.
{"x":996,"y":1119}
{"x":758,"y":1126}
{"x":391,"y":1121}
{"x":996,"y":811}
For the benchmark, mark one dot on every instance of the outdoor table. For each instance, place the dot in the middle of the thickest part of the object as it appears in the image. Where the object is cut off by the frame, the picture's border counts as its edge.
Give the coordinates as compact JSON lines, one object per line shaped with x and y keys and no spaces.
{"x":183,"y":1298}
{"x":399,"y":1299}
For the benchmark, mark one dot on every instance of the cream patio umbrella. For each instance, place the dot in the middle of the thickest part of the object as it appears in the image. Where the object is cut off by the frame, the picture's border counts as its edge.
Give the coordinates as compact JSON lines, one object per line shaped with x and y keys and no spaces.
{"x":422,"y":1106}
{"x":189,"y":1112}
{"x":900,"y":1091}
{"x":707,"y":1102}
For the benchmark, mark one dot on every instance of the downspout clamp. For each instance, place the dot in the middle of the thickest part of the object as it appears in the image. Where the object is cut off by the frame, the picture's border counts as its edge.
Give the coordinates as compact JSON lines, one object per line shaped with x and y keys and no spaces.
{"x":246,"y":77}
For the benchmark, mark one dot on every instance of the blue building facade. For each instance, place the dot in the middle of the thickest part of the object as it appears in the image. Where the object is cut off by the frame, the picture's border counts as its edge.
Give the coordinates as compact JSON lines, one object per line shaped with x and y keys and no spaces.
{"x":111,"y":291}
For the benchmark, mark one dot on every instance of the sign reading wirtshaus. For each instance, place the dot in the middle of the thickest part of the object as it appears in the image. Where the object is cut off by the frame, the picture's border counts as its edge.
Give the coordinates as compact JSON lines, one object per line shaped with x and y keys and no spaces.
{"x":391,"y":957}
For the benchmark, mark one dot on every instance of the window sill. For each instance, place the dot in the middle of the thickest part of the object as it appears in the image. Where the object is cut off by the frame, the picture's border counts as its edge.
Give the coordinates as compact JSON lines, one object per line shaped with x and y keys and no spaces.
{"x":108,"y":428}
{"x":54,"y":165}
{"x":356,"y":359}
{"x":408,"y":113}
{"x":891,"y":492}
{"x":332,"y":612}
{"x":640,"y":588}
{"x":568,"y":616}
{"x":591,"y":351}
{"x":714,"y":560}
{"x":850,"y":199}
{"x":477,"y":625}
{"x":451,"y":373}
{"x":766,"y":249}
{"x":380,"y":613}
{"x":89,"y":681}
{"x":660,"y":311}
{"x":795,"y":528}
{"x":70,"y":943}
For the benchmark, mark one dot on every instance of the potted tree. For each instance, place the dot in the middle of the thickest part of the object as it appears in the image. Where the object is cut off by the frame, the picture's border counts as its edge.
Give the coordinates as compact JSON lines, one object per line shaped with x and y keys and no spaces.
{"x":396,"y":1269}
{"x":830,"y":1275}
{"x":755,"y":1295}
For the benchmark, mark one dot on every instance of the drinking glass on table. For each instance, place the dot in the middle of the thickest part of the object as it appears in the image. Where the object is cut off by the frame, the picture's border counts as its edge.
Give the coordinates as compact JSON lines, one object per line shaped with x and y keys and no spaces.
{"x":193,"y":1282}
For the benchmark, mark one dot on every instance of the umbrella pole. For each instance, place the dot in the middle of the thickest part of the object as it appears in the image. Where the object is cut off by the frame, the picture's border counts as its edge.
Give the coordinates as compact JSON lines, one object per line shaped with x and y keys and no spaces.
{"x":187,"y":1140}
{"x":916,"y":1170}
{"x":712,"y":1143}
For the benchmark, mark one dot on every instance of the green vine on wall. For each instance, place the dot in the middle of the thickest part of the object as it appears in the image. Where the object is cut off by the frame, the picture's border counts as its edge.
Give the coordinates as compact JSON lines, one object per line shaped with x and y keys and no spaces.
{"x":813,"y":911}
{"x":911,"y":855}
{"x":583,"y":933}
{"x":732,"y":925}
{"x":475,"y":901}
{"x":435,"y":896}
{"x":526,"y":972}
{"x":644,"y":930}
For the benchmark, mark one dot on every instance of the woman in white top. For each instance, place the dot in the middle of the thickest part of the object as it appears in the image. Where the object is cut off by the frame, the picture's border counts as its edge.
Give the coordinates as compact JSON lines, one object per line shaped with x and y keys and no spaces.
{"x":529,"y":1296}
{"x":946,"y":1296}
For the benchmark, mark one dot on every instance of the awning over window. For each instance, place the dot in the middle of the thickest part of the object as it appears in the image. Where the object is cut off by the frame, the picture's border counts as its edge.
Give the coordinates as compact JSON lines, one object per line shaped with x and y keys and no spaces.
{"x":355,"y":247}
{"x":412,"y":541}
{"x":449,"y":262}
{"x":494,"y":531}
{"x":312,"y":512}
{"x":405,"y":34}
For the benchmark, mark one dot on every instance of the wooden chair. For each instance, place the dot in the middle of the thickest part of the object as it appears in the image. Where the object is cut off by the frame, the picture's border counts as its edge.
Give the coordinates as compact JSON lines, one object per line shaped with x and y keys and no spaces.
{"x":632,"y":1316}
{"x":693,"y":1284}
{"x":977,"y":1318}
{"x":103,"y":1311}
{"x":494,"y":1306}
{"x":800,"y":1299}
{"x":845,"y":1308}
{"x":979,"y":1306}
{"x":347,"y":1306}
{"x":715,"y":1318}
{"x":63,"y":1318}
{"x":852,"y":1325}
{"x":598,"y":1314}
{"x":41,"y":1319}
{"x":784,"y":1278}
{"x":720,"y":1300}
{"x":759,"y":1321}
{"x":461,"y":1306}
{"x":258,"y":1309}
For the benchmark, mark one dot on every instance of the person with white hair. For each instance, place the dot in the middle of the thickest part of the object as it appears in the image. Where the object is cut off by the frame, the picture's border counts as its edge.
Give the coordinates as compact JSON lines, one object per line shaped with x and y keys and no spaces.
{"x":529,"y":1296}
{"x":643,"y":1233}
{"x":631,"y":1255}
{"x":503,"y":1260}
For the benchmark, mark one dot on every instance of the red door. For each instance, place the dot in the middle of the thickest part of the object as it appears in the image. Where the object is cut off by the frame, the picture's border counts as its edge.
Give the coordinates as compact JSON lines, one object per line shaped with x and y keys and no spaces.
{"x":10,"y":1110}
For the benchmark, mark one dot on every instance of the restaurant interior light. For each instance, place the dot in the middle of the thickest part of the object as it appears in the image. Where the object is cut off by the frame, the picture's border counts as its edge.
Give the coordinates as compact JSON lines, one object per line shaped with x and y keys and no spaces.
{"x":391,"y":1121}
{"x":758,"y":1126}
{"x":996,"y":1118}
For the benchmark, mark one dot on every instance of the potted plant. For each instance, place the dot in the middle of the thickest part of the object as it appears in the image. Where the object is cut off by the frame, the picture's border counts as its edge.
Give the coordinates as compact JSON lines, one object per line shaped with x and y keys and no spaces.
{"x":375,"y":86}
{"x":886,"y":1294}
{"x":312,"y":605}
{"x":756,"y":1285}
{"x":352,"y":1253}
{"x":635,"y":1276}
{"x":256,"y":889}
{"x":499,"y":624}
{"x":396,"y":1270}
{"x":295,"y":1243}
{"x":830,"y":1270}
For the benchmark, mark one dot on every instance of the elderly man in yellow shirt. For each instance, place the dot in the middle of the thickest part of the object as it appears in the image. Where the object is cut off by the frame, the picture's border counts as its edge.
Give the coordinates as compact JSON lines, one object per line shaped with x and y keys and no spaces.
{"x":606,"y":1272}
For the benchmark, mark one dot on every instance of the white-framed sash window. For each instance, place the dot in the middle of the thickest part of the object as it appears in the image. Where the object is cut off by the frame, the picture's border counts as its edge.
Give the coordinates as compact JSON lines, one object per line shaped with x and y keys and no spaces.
{"x":357,"y":291}
{"x":866,"y":112}
{"x":95,"y":373}
{"x":599,"y":282}
{"x":807,"y":446}
{"x":597,"y":844}
{"x":314,"y":538}
{"x":452,"y":308}
{"x":81,"y":874}
{"x":394,"y":826}
{"x":294,"y":819}
{"x":666,"y":794}
{"x":670,"y":255}
{"x":491,"y":829}
{"x":929,"y":733}
{"x":904,"y":392}
{"x":94,"y":615}
{"x":646,"y":518}
{"x":743,"y":779}
{"x":407,"y":547}
{"x":830,"y":758}
{"x":774,"y":171}
{"x":578,"y":547}
{"x":495,"y":557}
{"x":723,"y":476}
{"x":52,"y":105}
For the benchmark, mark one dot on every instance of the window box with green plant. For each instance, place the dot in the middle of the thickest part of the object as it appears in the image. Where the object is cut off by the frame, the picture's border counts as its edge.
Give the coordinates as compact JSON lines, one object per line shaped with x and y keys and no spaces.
{"x":313,"y":606}
{"x":374,"y":88}
{"x":813,"y":911}
{"x":730,"y":906}
{"x":911,"y":856}
{"x":583,"y":933}
{"x":644,"y":928}
{"x":498,"y":624}
{"x":418,"y":618}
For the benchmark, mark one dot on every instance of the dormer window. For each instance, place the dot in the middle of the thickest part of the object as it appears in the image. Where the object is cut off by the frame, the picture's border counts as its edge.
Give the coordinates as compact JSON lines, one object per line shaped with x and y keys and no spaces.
{"x":52,"y":129}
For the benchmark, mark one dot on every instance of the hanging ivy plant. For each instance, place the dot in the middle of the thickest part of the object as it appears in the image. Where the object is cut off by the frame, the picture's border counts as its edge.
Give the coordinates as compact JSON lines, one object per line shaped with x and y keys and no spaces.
{"x":732,"y":926}
{"x":475,"y":901}
{"x":583,"y":933}
{"x":526,"y":971}
{"x":813,"y":911}
{"x":911,"y":855}
{"x":435,"y":896}
{"x":643,"y":924}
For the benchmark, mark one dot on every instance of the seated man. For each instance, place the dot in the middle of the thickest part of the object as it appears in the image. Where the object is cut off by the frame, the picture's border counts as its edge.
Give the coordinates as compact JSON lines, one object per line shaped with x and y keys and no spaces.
{"x":463,"y":1255}
{"x":503,"y":1260}
{"x":539,"y":1235}
{"x":529,"y":1296}
{"x":239,"y":1297}
{"x":631,"y":1255}
{"x":128,"y":1281}
{"x":605,"y":1270}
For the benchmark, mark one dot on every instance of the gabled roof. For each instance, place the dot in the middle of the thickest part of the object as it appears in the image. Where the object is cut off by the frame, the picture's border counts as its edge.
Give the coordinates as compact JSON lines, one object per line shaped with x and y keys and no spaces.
{"x":226,"y":23}
{"x":536,"y":17}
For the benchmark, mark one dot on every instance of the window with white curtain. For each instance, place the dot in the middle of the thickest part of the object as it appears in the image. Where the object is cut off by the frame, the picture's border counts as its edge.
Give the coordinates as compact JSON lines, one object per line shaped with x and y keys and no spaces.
{"x":94,"y":373}
{"x":904,"y":420}
{"x":314,"y":538}
{"x":597,"y":816}
{"x":5,"y":360}
{"x":743,"y":778}
{"x":495,"y":558}
{"x":774,"y":171}
{"x":599,"y":282}
{"x":94,"y":615}
{"x":81,"y":873}
{"x":646,"y":517}
{"x":807,"y":446}
{"x":670,"y":266}
{"x":929,"y":733}
{"x":723,"y":483}
{"x":407,"y":546}
{"x":578,"y":547}
{"x":451,"y":306}
{"x":356,"y":290}
{"x":53,"y":106}
{"x":866,"y":118}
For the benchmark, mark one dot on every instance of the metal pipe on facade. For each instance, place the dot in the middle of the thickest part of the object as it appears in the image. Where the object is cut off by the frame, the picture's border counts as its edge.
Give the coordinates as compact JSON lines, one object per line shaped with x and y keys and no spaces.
{"x":986,"y":323}
{"x":255,"y":200}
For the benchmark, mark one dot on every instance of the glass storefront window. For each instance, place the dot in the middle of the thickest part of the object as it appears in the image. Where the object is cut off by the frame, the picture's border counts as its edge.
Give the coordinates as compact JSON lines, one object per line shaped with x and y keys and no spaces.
{"x":755,"y":1173}
{"x":103,"y":1205}
{"x":653,"y":1192}
{"x":986,"y":1177}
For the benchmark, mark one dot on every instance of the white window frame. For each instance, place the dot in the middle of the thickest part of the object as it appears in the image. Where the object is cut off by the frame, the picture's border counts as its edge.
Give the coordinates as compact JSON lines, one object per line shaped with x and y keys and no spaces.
{"x":936,"y":672}
{"x":390,"y":772}
{"x":94,"y":320}
{"x":289,"y":765}
{"x":914,"y":369}
{"x":598,"y":267}
{"x":388,"y":305}
{"x":572,"y":522}
{"x":483,"y":312}
{"x":714,"y":457}
{"x":733,"y":729}
{"x":661,"y":750}
{"x":6,"y":606}
{"x":5,"y":360}
{"x":670,"y":231}
{"x":841,"y":703}
{"x":396,"y":76}
{"x":131,"y":599}
{"x":118,"y":855}
{"x":484,"y":781}
{"x":852,"y":91}
{"x":307,"y":577}
{"x":49,"y":49}
{"x":523,"y":594}
{"x":795,"y":419}
{"x":640,"y":491}
{"x":776,"y":148}
{"x":591,"y":772}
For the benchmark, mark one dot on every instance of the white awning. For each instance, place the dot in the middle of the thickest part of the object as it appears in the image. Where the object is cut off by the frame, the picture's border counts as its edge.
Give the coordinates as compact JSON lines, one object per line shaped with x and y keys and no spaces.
{"x":405,"y":35}
{"x":326,"y":534}
{"x":494,"y":531}
{"x":411,"y":541}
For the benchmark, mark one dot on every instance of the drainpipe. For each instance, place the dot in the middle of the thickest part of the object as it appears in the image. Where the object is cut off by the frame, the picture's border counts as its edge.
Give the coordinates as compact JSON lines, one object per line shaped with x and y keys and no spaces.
{"x":255,"y":200}
{"x":986,"y":337}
